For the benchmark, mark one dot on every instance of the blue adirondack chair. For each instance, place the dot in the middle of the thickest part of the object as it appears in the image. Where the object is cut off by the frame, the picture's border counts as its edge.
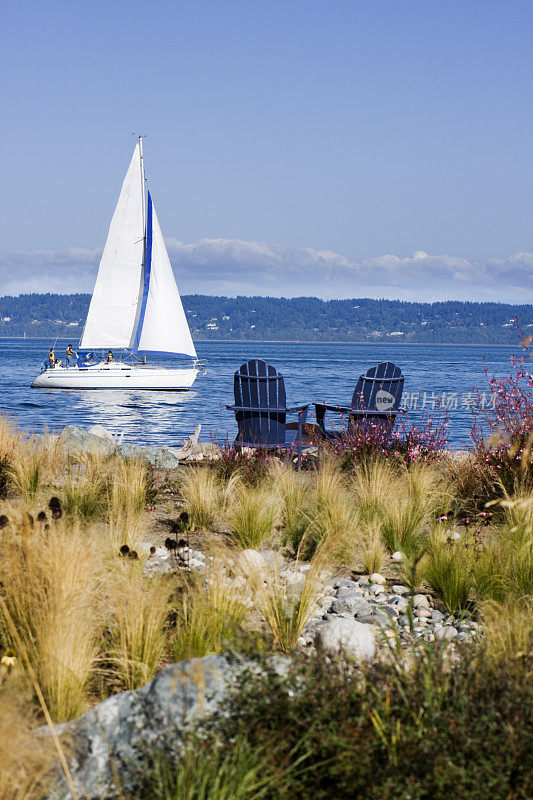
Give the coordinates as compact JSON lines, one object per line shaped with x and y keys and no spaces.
{"x":376,"y":400}
{"x":261,"y":409}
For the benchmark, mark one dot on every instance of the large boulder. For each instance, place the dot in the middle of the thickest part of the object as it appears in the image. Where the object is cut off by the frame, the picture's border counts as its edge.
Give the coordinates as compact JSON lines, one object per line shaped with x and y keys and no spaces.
{"x":116,"y":737}
{"x":349,"y":637}
{"x":76,"y":440}
{"x":154,"y":456}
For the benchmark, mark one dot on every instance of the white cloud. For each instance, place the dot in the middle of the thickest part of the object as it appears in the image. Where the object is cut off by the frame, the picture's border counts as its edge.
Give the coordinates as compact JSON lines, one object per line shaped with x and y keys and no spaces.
{"x":232,"y":266}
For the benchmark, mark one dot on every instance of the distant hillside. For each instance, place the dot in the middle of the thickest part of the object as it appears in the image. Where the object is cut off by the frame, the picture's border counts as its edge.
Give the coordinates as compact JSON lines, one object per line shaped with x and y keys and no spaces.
{"x":300,"y":319}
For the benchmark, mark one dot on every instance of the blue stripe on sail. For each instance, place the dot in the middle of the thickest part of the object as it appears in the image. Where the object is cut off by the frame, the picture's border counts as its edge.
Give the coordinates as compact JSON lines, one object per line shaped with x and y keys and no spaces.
{"x":147,"y":271}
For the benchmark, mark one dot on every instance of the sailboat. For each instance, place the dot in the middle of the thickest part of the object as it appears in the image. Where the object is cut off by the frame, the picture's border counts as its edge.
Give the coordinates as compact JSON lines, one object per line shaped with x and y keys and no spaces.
{"x":135,"y":306}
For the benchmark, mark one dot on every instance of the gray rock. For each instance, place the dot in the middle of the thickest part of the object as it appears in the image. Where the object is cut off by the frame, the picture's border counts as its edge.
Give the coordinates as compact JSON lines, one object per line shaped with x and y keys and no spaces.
{"x":353,"y":590}
{"x":376,"y":588}
{"x":273,"y":559}
{"x":436,"y":616}
{"x":446,"y":633}
{"x":399,"y":589}
{"x":118,"y":734}
{"x":420,"y":601}
{"x":339,"y":582}
{"x":159,"y":457}
{"x":101,"y":432}
{"x":422,"y":613}
{"x":397,"y":556}
{"x":349,"y":637}
{"x":367,"y":619}
{"x":392,"y":610}
{"x":74,"y":439}
{"x":351,"y":604}
{"x":377,"y":578}
{"x":401,"y":603}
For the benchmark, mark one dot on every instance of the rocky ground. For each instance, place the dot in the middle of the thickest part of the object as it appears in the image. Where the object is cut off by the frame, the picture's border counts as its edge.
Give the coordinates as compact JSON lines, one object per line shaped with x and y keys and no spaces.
{"x":353,"y":616}
{"x":345,"y":605}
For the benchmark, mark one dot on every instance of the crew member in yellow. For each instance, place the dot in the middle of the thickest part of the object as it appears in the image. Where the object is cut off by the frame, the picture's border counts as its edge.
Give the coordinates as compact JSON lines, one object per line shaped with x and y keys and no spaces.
{"x":51,"y":358}
{"x":70,"y":354}
{"x":110,"y":358}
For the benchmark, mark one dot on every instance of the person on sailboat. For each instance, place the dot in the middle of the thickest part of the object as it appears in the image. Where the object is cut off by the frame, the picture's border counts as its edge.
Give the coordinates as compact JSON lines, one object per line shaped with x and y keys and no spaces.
{"x":110,"y":357}
{"x":70,"y":355}
{"x":51,"y":358}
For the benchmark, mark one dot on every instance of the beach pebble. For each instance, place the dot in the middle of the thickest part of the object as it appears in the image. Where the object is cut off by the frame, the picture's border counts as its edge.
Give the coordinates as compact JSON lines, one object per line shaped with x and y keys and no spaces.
{"x":420,"y":601}
{"x":251,"y":561}
{"x":400,"y":603}
{"x":351,"y":604}
{"x":350,"y":591}
{"x":377,"y":578}
{"x":399,"y":589}
{"x":446,"y":633}
{"x":349,"y":636}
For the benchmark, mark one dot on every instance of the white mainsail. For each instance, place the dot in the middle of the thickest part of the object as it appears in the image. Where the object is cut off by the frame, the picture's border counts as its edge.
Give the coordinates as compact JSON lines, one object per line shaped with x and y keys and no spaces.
{"x":162,"y":325}
{"x":112,"y":317}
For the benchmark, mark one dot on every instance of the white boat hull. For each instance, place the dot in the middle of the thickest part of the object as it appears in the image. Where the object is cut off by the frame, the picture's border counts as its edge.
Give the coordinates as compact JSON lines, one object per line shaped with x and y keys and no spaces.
{"x":117,"y":376}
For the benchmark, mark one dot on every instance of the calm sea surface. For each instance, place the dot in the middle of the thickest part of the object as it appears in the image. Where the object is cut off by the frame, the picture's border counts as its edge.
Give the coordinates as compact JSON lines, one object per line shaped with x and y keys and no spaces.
{"x":312,"y":371}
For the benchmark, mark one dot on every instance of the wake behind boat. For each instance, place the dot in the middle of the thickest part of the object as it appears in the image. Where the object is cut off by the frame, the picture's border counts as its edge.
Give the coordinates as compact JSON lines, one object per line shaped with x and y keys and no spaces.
{"x":135,"y":305}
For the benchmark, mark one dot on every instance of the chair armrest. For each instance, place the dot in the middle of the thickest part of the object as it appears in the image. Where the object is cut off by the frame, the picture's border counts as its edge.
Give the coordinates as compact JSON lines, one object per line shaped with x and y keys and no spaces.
{"x":327,"y":407}
{"x":297,"y":409}
{"x":269,"y":409}
{"x":374,"y":413}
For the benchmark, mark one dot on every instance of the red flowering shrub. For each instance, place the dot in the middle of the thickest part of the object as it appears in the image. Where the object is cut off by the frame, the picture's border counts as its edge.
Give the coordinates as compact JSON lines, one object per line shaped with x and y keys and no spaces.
{"x":252,"y":465}
{"x":407,"y":442}
{"x":502,"y":433}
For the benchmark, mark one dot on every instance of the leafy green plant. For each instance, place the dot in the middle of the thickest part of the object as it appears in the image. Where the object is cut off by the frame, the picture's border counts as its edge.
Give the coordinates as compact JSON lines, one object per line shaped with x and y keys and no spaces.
{"x":213,"y":772}
{"x":470,"y":720}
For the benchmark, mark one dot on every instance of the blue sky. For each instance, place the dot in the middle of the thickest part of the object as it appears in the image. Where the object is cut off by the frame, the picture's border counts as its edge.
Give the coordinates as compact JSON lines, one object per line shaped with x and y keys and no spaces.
{"x":330,"y":147}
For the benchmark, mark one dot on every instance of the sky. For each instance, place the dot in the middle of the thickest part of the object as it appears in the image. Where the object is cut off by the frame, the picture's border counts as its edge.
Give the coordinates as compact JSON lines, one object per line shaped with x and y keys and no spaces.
{"x":337,"y":148}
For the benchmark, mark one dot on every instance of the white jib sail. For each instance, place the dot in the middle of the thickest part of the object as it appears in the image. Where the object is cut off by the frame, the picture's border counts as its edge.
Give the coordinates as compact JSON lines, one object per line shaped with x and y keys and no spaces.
{"x":164,"y":325}
{"x":112,"y":316}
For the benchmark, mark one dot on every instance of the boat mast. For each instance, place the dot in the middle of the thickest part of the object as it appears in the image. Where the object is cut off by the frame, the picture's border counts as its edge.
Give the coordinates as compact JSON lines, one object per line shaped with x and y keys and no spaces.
{"x":143,"y":196}
{"x":143,"y":193}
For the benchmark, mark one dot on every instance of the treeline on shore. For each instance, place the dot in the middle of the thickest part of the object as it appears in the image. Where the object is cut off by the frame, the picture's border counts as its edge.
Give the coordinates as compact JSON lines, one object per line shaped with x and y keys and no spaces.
{"x":292,"y":319}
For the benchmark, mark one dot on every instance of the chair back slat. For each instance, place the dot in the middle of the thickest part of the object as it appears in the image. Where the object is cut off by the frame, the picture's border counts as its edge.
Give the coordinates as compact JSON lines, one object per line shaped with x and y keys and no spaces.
{"x":258,"y":385}
{"x":380,"y":389}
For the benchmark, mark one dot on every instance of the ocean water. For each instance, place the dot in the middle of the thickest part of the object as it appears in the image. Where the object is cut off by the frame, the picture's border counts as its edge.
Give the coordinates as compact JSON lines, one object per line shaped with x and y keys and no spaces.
{"x":448,"y":373}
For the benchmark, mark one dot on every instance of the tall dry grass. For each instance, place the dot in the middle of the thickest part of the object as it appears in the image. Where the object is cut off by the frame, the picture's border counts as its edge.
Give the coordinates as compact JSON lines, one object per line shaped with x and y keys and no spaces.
{"x":25,"y":759}
{"x":140,"y":611}
{"x":253,"y":515}
{"x":448,"y":568}
{"x":504,"y":567}
{"x":85,"y":486}
{"x":286,"y":602}
{"x":126,"y":496}
{"x":292,"y":490}
{"x":50,"y":580}
{"x":208,"y":612}
{"x":403,"y":503}
{"x":319,"y":511}
{"x":206,"y":495}
{"x":30,"y":463}
{"x":508,"y":628}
